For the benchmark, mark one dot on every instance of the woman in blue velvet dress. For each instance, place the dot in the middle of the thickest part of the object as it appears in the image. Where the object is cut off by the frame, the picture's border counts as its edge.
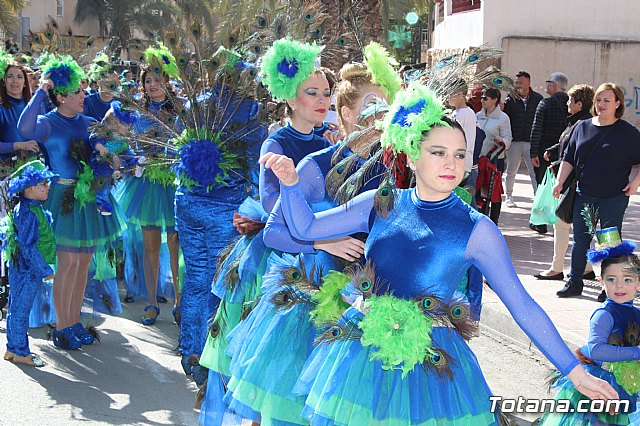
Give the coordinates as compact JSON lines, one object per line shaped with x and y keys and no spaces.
{"x":380,"y":369}
{"x":148,"y":200}
{"x":78,"y":228}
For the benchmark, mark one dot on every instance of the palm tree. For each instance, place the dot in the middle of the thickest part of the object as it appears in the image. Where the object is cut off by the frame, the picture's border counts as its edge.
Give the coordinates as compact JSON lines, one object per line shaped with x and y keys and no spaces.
{"x":119,"y":18}
{"x":8,"y":11}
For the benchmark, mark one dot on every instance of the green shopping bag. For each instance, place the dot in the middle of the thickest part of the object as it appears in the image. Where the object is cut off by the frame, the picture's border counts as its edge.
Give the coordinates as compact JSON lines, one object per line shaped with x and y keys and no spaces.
{"x":543,"y":210}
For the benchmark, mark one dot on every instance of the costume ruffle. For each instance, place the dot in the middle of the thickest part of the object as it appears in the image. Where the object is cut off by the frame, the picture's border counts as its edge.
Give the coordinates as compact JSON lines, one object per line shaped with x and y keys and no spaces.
{"x":146,"y":203}
{"x":83,"y":227}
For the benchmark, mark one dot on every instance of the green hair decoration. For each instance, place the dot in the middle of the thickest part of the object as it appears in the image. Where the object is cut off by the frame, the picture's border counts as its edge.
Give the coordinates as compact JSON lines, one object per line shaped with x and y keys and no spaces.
{"x":5,"y":62}
{"x":286,"y":65}
{"x":399,"y":330}
{"x":413,"y":111}
{"x":162,"y":61}
{"x":380,"y":65}
{"x":65,"y":73}
{"x":100,"y":67}
{"x":329,"y":303}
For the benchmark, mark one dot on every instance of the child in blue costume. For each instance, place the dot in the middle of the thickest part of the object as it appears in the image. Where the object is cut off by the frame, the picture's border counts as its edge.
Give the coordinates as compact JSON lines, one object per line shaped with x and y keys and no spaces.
{"x":78,"y":227}
{"x":612,"y":352}
{"x":396,"y":373}
{"x":148,"y":197}
{"x":30,"y":247}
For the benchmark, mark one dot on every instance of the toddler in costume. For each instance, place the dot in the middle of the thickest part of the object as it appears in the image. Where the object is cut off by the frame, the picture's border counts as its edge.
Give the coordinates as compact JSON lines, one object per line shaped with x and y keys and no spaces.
{"x":30,"y":247}
{"x":612,"y":352}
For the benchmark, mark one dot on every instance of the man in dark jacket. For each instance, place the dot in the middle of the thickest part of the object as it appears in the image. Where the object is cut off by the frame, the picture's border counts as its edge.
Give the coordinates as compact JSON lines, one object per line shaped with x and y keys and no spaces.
{"x":521,"y":112}
{"x":548,"y":124}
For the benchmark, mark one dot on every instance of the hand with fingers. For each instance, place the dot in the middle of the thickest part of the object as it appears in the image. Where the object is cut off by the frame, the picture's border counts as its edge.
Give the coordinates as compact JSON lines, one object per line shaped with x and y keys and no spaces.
{"x":592,"y":387}
{"x":30,"y":145}
{"x":347,"y":248}
{"x":282,"y":166}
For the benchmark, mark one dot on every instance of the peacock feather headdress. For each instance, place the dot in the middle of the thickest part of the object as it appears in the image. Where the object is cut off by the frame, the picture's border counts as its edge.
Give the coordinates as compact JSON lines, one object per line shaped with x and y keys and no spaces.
{"x":286,"y":65}
{"x":65,"y":73}
{"x":161,"y":60}
{"x":5,"y":61}
{"x":381,"y":66}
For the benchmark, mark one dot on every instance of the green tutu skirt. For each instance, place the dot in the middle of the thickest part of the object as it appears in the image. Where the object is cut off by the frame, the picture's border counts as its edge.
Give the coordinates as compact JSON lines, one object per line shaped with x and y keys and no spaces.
{"x":147,"y":204}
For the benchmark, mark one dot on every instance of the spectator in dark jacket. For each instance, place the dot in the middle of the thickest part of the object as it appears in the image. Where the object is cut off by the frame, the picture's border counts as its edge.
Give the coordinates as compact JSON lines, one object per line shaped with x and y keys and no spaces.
{"x":521,"y":111}
{"x":549,"y":122}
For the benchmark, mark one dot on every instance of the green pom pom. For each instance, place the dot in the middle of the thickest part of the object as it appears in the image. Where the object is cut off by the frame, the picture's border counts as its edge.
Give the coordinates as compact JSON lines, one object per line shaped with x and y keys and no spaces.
{"x":83,"y":192}
{"x":380,"y":64}
{"x":399,"y":330}
{"x":329,"y":303}
{"x":286,"y":65}
{"x":627,"y":375}
{"x":161,"y":58}
{"x":413,"y":111}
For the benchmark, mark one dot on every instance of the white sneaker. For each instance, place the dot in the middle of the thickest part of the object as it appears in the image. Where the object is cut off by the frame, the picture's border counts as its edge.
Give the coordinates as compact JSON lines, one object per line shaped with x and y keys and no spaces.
{"x":510,"y":202}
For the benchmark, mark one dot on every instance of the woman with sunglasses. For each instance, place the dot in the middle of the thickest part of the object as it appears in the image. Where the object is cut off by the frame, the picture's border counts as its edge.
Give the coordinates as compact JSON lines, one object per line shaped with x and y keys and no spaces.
{"x":78,"y":226}
{"x":497,"y":127}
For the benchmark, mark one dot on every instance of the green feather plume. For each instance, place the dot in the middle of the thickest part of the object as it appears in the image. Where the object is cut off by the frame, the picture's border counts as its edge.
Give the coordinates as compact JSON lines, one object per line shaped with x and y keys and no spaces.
{"x":413,"y":112}
{"x":591,"y":216}
{"x":162,"y":61}
{"x":100,"y":67}
{"x":381,"y":64}
{"x":296,"y":54}
{"x":627,"y":375}
{"x":329,"y":303}
{"x":5,"y":61}
{"x":8,"y":233}
{"x":83,"y":192}
{"x":159,"y":173}
{"x":399,"y":331}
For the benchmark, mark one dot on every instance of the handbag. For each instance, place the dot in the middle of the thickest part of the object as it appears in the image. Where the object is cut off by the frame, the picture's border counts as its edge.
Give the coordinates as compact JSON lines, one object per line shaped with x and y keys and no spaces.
{"x":567,"y":200}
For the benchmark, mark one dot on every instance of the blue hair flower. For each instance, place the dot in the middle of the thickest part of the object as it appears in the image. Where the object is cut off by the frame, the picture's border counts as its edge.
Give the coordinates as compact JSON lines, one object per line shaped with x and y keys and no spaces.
{"x":61,"y":76}
{"x":403,"y":113}
{"x":290,"y":69}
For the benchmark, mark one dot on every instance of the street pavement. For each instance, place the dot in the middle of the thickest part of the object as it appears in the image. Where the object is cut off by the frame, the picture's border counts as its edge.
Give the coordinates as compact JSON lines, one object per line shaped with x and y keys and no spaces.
{"x":134,"y":376}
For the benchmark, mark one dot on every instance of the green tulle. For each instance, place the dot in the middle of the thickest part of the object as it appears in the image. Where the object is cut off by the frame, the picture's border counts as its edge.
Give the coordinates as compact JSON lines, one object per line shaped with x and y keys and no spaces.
{"x":380,"y":64}
{"x":330,"y":305}
{"x":304,"y":56}
{"x":399,"y":330}
{"x":406,"y":135}
{"x":105,"y":264}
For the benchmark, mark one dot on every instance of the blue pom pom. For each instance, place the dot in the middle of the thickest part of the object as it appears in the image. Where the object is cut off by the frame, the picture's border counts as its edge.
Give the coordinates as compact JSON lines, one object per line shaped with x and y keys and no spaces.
{"x":290,"y":69}
{"x":403,"y":113}
{"x":597,"y":256}
{"x":200,"y":160}
{"x":61,"y":76}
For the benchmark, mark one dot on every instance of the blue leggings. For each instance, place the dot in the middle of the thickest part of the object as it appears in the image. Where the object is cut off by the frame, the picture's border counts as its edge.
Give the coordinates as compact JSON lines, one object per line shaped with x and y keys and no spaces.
{"x":24,"y":286}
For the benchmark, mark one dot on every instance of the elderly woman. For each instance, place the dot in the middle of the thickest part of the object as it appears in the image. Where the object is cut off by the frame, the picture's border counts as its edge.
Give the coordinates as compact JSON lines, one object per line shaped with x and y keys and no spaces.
{"x":602,"y":152}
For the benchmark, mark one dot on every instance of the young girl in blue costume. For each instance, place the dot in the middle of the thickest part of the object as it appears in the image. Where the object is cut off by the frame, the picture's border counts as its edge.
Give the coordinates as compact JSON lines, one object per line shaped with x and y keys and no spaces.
{"x":257,"y":342}
{"x":30,"y":247}
{"x":398,"y":359}
{"x":14,"y":95}
{"x":612,"y":352}
{"x":78,"y":226}
{"x":148,"y":200}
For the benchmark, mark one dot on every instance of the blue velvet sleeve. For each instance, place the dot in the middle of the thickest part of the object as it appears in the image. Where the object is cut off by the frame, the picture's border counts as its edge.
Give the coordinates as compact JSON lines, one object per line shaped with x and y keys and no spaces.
{"x":6,"y":147}
{"x":32,"y":124}
{"x":27,"y":232}
{"x":341,"y":221}
{"x":276,"y":233}
{"x":496,"y":265}
{"x":599,"y":348}
{"x":268,"y":182}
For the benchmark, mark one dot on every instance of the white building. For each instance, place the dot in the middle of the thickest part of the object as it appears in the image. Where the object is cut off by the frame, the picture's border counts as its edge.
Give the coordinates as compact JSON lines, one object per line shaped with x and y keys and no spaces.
{"x":590,"y":41}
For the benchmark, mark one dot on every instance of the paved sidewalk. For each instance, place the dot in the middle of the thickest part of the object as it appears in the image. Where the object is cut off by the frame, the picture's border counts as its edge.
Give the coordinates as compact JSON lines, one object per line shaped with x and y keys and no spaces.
{"x":532,"y":253}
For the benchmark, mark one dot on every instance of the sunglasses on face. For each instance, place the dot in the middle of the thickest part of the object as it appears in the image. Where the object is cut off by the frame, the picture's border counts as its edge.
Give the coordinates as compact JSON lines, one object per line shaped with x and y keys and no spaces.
{"x":484,"y":98}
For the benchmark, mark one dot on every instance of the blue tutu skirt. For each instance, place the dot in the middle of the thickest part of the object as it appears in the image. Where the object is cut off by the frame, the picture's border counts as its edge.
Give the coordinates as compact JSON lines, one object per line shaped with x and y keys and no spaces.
{"x":42,"y":310}
{"x":84,"y":227}
{"x":146,"y":203}
{"x":344,"y":387}
{"x":567,"y":391}
{"x":269,"y":349}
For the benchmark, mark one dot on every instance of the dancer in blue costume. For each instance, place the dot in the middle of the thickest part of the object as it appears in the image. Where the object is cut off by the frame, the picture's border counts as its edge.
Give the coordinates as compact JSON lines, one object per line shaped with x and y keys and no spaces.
{"x":612,"y":352}
{"x":402,"y":365}
{"x":30,"y":247}
{"x":257,"y":342}
{"x":14,"y":96}
{"x":148,"y":200}
{"x":78,"y":226}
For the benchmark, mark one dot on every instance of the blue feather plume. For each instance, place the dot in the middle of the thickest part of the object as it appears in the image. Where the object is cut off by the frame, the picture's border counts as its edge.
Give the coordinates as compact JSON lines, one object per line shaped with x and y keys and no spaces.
{"x":126,"y":116}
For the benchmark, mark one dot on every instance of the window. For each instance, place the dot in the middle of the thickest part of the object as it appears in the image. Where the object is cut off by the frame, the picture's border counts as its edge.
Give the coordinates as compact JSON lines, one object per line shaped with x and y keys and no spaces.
{"x":60,"y":7}
{"x":458,"y":6}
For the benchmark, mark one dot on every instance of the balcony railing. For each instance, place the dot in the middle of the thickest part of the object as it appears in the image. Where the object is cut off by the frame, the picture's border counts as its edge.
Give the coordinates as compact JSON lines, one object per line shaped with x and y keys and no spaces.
{"x":458,"y":6}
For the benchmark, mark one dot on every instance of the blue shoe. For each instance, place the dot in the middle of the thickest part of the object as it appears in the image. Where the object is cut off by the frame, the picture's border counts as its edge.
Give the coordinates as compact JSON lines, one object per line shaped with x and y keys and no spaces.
{"x":150,"y":321}
{"x":66,"y":339}
{"x":82,"y":334}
